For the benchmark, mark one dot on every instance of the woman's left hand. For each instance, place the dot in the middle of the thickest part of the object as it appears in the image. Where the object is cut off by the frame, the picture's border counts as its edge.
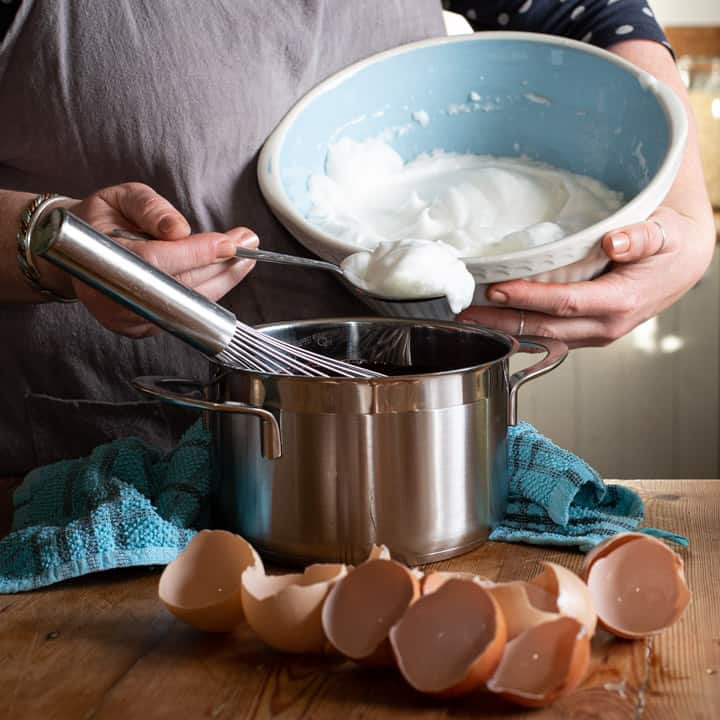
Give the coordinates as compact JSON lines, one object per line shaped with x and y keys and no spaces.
{"x":653,"y":263}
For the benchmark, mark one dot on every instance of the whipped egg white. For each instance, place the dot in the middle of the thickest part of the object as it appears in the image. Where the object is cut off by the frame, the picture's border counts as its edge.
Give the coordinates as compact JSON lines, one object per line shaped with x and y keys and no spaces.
{"x":412,"y":270}
{"x":467,"y":205}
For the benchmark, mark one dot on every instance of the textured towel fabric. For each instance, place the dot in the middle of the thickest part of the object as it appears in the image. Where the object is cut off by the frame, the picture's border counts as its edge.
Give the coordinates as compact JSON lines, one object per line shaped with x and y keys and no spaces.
{"x":124,"y":505}
{"x":555,"y":498}
{"x":127,"y":504}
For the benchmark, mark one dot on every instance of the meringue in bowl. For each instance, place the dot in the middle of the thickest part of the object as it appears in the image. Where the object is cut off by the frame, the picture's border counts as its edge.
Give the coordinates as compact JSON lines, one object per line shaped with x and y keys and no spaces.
{"x":518,"y":100}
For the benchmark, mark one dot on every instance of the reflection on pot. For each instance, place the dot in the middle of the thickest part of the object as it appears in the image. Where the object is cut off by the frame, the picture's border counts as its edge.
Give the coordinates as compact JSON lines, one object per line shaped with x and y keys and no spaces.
{"x":322,"y":469}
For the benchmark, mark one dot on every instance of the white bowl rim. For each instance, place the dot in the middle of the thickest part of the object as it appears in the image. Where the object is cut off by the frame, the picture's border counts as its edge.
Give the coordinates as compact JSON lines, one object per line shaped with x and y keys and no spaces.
{"x":273,"y":190}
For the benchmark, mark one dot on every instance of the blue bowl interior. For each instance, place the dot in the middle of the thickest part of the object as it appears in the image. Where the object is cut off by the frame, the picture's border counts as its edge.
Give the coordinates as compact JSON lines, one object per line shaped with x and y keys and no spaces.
{"x":551,"y":103}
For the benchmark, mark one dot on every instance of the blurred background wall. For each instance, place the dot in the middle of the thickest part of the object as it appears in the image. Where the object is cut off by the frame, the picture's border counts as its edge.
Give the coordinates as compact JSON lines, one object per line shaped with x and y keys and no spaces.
{"x":649,"y":404}
{"x":687,"y":12}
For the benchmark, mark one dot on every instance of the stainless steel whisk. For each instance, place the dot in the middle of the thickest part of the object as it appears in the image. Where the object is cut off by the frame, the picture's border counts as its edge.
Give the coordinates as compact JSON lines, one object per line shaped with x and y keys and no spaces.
{"x":94,"y":258}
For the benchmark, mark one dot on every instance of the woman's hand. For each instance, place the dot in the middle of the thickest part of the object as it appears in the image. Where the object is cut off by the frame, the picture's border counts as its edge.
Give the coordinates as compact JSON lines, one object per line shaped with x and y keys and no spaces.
{"x":653,"y":264}
{"x":201,"y":261}
{"x":645,"y":276}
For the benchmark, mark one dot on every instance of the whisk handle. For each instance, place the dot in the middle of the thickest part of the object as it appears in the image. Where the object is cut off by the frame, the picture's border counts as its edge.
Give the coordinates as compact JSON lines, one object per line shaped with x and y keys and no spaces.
{"x":94,"y":258}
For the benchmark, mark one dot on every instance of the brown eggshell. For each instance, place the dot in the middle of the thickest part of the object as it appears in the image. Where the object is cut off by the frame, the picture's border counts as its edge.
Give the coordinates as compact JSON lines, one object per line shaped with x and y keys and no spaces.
{"x":450,"y":641}
{"x":606,"y":546}
{"x":285,"y":610}
{"x":524,"y":605}
{"x":431,"y":581}
{"x":637,"y":584}
{"x":363,"y":606}
{"x":379,"y":552}
{"x":202,"y":585}
{"x":543,"y":663}
{"x":571,"y":595}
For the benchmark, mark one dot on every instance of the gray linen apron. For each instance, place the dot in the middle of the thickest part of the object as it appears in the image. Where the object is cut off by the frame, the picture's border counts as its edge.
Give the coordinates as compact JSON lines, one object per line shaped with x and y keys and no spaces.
{"x":179,"y":94}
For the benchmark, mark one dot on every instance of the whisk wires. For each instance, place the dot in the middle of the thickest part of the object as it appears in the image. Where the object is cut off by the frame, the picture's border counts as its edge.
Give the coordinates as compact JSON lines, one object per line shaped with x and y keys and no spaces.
{"x":253,"y":350}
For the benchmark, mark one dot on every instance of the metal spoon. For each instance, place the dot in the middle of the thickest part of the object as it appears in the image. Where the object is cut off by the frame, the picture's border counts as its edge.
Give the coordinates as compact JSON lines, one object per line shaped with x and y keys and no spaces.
{"x":250,"y":254}
{"x":439,"y":302}
{"x":283,"y":259}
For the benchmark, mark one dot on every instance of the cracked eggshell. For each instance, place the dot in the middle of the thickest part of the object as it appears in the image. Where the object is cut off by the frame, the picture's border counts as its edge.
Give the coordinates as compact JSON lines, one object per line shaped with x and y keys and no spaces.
{"x":524,"y":605}
{"x":556,"y":592}
{"x":202,"y":585}
{"x":431,"y":581}
{"x":285,"y":610}
{"x":543,"y":663}
{"x":450,"y":641}
{"x":570,"y":593}
{"x":379,"y":552}
{"x":363,"y":606}
{"x":637,"y":584}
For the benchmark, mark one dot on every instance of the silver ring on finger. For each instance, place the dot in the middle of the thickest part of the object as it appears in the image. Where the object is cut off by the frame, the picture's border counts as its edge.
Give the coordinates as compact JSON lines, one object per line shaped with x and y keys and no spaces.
{"x":662,"y":233}
{"x":521,"y":326}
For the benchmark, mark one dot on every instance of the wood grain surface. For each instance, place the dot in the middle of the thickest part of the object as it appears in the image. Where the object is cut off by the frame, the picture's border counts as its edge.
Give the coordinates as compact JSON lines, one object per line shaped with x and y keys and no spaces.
{"x":103,"y":647}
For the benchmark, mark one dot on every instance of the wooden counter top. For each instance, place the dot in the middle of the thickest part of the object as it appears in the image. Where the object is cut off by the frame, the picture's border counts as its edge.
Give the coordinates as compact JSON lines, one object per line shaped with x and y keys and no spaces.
{"x":103,"y":647}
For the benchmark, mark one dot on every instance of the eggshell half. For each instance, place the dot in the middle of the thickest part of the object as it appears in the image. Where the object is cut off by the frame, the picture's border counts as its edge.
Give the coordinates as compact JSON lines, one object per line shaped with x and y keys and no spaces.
{"x":523,"y":605}
{"x":450,"y":641}
{"x":202,"y":585}
{"x":543,"y":663}
{"x":571,"y":594}
{"x":637,"y":584}
{"x":379,"y":552}
{"x":364,"y":605}
{"x":285,"y":610}
{"x":431,"y":581}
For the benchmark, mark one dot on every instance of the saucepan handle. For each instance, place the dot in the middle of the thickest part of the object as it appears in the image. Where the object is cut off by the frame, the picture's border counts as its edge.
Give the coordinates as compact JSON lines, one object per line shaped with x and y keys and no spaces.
{"x":162,"y":387}
{"x":555,"y":352}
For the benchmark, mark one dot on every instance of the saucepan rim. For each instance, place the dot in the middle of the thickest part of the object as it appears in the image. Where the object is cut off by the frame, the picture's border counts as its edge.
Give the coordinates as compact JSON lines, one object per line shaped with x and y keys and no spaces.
{"x":511,"y":343}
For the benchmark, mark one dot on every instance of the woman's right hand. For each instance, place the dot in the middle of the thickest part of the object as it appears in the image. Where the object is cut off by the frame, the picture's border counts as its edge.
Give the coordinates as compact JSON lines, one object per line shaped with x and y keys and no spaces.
{"x":202,"y":261}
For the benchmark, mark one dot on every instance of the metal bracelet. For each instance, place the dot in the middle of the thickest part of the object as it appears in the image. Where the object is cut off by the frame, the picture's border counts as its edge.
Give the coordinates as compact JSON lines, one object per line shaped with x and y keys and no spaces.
{"x":26,"y":261}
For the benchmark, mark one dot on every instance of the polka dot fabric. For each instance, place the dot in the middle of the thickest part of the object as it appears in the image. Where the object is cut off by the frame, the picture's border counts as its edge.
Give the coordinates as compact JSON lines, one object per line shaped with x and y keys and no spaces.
{"x":599,"y":22}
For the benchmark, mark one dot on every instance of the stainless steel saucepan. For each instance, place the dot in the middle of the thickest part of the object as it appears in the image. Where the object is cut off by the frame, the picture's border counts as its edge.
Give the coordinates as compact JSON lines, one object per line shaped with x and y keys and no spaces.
{"x":311,"y":469}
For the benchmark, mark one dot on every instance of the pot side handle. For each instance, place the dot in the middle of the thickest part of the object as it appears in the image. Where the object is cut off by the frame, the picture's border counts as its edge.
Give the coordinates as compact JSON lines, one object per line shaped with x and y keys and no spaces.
{"x":158,"y":386}
{"x":555,"y":352}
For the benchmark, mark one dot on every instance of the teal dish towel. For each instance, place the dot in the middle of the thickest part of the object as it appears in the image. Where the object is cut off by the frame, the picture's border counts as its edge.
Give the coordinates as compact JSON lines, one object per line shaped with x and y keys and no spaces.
{"x":555,"y":498}
{"x":124,"y":505}
{"x":127,"y":505}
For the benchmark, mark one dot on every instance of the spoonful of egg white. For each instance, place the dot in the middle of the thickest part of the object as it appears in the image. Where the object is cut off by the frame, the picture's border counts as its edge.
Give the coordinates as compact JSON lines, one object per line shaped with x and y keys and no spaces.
{"x":403,"y":270}
{"x":412,"y":270}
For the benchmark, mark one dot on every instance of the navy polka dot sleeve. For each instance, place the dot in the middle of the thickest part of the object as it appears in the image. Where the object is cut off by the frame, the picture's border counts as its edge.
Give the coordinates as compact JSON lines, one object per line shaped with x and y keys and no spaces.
{"x":600,"y":22}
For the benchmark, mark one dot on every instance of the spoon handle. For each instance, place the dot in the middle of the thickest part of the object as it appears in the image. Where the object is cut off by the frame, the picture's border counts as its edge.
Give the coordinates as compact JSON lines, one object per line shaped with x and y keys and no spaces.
{"x":282,"y":259}
{"x":247,"y":253}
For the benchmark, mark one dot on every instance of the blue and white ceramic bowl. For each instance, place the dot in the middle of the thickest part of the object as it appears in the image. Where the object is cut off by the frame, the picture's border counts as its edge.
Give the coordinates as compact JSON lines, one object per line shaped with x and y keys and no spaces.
{"x":555,"y":100}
